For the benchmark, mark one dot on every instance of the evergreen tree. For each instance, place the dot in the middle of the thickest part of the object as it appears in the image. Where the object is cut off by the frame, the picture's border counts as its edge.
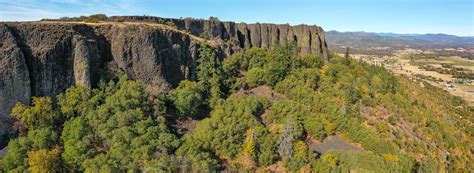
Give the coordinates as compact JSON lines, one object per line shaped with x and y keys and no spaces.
{"x":287,"y":137}
{"x":347,"y":58}
{"x":210,"y":74}
{"x":187,"y":98}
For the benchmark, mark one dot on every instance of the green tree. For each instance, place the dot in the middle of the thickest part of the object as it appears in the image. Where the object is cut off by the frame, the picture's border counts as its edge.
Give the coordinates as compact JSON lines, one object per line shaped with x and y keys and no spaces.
{"x":99,"y":164}
{"x":266,"y":146}
{"x":307,"y":77}
{"x":187,"y":98}
{"x":255,"y":77}
{"x":77,"y":138}
{"x":124,"y":127}
{"x":223,"y":133}
{"x":15,"y":160}
{"x":210,"y":74}
{"x":300,"y":156}
{"x":40,"y":114}
{"x":99,"y":17}
{"x":308,"y":61}
{"x":279,"y":63}
{"x":74,"y":102}
{"x":347,"y":58}
{"x":314,"y":125}
{"x":254,"y":57}
{"x":326,"y":163}
{"x":42,"y":138}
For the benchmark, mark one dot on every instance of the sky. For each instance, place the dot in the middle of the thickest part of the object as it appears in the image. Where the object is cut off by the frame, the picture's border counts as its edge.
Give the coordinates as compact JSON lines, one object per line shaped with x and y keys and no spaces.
{"x":454,"y":17}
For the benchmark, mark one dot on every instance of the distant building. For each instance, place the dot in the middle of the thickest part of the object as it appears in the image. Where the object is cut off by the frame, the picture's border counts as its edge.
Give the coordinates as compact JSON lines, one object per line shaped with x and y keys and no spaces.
{"x":449,"y":86}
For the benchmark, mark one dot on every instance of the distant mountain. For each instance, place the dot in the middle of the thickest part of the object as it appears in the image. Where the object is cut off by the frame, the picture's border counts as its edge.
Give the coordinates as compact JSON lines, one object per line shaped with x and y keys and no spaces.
{"x":391,"y":34}
{"x":438,"y":36}
{"x":381,"y":42}
{"x":444,"y":38}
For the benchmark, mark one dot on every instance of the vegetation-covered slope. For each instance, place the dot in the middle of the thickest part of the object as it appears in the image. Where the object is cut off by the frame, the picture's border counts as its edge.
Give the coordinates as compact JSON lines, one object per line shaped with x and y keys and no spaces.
{"x":256,"y":110}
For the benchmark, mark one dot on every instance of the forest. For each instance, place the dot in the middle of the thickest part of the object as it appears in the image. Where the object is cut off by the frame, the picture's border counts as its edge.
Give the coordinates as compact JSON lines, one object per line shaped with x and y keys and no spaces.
{"x":257,"y":110}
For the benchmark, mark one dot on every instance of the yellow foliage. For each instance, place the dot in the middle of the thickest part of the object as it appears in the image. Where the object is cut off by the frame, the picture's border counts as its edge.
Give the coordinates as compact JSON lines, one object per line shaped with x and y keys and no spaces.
{"x":44,"y":160}
{"x":249,"y":146}
{"x":377,"y":81}
{"x":38,"y":115}
{"x":301,"y":150}
{"x":330,"y":160}
{"x":391,"y":157}
{"x":275,"y":128}
{"x":248,"y":155}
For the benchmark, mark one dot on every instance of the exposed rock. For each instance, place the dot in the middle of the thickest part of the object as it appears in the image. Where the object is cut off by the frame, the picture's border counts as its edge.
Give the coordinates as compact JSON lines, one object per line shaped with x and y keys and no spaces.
{"x":311,"y":39}
{"x":154,"y":56}
{"x":334,"y":143}
{"x":3,"y":152}
{"x":45,"y":58}
{"x":14,"y":80}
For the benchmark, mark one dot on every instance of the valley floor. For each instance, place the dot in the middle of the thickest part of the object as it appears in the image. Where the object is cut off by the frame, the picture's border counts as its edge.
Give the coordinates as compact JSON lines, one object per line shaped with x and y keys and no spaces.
{"x":401,"y":64}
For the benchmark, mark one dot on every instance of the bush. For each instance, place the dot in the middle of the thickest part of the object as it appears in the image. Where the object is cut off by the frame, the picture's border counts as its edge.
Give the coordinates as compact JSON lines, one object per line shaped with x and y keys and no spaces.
{"x":170,"y":24}
{"x":255,"y":77}
{"x":309,"y":61}
{"x":314,"y":125}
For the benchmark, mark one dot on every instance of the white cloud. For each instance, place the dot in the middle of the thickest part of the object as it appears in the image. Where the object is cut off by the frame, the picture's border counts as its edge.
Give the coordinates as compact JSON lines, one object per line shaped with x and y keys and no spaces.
{"x":21,"y":10}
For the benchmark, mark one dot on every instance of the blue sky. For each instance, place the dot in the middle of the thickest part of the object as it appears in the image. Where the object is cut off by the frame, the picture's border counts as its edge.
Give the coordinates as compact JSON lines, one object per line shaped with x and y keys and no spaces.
{"x":398,"y":16}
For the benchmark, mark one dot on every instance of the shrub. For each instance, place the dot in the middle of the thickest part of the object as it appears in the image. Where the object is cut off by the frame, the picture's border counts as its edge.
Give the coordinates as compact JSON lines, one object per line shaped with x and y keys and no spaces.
{"x":170,"y":24}
{"x":255,"y":77}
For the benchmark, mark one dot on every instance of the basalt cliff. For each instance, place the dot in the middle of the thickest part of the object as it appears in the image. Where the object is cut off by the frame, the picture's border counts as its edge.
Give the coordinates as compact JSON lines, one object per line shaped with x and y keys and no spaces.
{"x":43,"y":58}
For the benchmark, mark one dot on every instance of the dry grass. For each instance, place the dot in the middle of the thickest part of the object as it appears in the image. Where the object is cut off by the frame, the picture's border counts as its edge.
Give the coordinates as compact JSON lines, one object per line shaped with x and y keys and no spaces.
{"x":403,"y":66}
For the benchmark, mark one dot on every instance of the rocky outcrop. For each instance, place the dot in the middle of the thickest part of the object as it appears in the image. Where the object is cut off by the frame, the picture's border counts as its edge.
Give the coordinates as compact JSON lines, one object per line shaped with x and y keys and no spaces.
{"x":237,"y":36}
{"x":14,"y":79}
{"x":157,"y":57}
{"x":44,"y":58}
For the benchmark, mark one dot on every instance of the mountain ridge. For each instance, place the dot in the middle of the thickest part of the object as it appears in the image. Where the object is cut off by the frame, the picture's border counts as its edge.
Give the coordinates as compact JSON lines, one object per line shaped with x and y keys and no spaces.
{"x":385,"y":44}
{"x":393,"y":34}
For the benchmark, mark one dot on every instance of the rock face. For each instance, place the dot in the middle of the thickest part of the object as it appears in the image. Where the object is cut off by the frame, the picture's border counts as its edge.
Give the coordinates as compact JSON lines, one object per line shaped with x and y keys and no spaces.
{"x":45,"y":58}
{"x":14,"y":80}
{"x":237,"y":36}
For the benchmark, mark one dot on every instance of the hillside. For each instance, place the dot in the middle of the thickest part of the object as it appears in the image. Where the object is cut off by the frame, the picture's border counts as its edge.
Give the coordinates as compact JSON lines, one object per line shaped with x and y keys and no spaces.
{"x":44,"y":58}
{"x":257,"y":110}
{"x":139,"y":95}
